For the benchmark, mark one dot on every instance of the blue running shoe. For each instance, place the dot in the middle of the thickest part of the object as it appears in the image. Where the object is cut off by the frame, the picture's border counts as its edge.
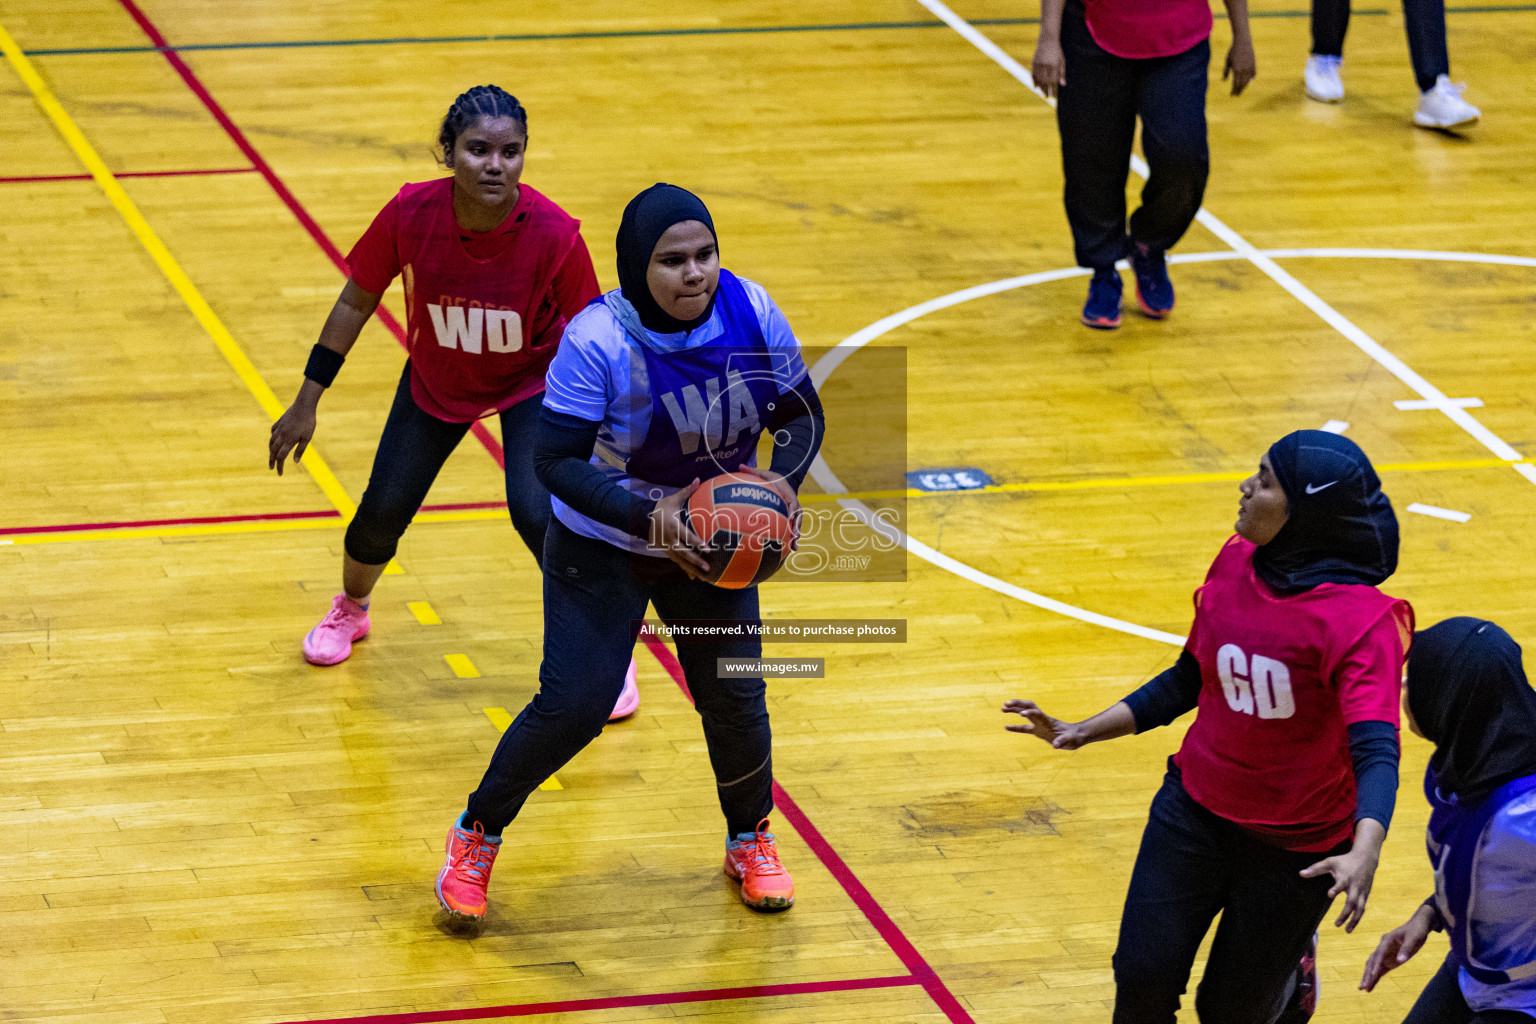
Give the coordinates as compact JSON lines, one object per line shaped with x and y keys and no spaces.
{"x":1154,"y":292}
{"x":1102,"y":310}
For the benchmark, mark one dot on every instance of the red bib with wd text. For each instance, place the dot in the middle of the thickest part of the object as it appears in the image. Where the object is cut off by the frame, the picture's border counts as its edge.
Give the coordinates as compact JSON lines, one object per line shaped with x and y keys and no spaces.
{"x":482,"y":328}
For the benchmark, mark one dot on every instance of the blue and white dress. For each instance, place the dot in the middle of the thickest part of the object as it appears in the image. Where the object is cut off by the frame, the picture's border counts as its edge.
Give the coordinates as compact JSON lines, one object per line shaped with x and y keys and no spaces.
{"x":673,"y":407}
{"x":1485,"y":890}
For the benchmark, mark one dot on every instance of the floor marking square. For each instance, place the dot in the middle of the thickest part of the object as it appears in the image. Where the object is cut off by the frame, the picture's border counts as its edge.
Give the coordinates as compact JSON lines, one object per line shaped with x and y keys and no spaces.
{"x":425,"y":613}
{"x":462,"y":666}
{"x":500,"y":718}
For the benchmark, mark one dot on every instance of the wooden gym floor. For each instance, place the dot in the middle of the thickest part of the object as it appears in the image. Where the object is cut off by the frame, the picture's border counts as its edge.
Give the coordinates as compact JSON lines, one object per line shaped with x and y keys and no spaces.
{"x":197,"y":826}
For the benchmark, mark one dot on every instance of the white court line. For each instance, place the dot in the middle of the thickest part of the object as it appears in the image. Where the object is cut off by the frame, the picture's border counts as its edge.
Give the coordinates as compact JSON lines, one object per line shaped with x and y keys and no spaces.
{"x":851,"y":344}
{"x":829,"y":482}
{"x":1412,"y":404}
{"x":1440,"y":513}
{"x":1301,"y":292}
{"x":839,"y":353}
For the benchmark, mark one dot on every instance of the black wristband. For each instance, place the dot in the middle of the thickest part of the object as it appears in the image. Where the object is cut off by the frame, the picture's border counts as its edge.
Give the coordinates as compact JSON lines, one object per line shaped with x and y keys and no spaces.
{"x":323,"y":365}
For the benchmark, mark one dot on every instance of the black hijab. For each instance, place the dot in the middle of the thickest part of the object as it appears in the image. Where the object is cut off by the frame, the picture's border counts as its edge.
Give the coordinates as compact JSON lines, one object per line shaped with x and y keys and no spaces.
{"x":645,"y":220}
{"x":1469,"y":695}
{"x":1339,"y":527}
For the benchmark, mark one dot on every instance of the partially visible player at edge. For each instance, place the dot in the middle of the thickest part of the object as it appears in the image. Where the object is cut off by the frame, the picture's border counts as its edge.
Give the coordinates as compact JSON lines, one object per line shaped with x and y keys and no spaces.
{"x":1467,"y":693}
{"x":493,"y":271}
{"x":623,"y":442}
{"x":1289,"y":772}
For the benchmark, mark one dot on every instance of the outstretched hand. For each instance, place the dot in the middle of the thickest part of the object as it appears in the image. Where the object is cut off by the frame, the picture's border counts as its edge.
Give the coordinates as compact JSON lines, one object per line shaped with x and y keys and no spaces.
{"x":1353,"y":873}
{"x":1398,"y":946}
{"x":1059,"y":734}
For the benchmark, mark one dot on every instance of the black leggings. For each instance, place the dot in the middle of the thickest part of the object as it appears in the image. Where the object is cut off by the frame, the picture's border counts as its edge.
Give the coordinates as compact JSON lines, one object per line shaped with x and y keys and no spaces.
{"x":411,"y":453}
{"x":1096,"y":115}
{"x":1441,"y":1002}
{"x":1424,"y":19}
{"x":595,"y":596}
{"x":1192,"y":865}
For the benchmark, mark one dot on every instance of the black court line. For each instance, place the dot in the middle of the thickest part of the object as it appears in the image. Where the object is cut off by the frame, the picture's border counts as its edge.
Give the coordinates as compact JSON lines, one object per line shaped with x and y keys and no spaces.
{"x":534,"y":37}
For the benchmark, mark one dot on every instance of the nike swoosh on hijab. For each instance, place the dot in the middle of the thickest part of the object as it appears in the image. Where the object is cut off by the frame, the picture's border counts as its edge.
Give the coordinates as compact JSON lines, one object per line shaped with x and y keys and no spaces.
{"x":1349,"y":537}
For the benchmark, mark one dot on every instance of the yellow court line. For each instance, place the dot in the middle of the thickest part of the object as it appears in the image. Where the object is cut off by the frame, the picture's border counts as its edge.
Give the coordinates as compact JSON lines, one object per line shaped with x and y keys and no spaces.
{"x":473,"y":515}
{"x":177,"y":277}
{"x":1115,"y":482}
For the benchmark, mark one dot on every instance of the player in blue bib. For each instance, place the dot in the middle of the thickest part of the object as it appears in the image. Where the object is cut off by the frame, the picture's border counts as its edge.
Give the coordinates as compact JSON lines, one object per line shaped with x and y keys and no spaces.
{"x":1467,"y":693}
{"x":667,"y":381}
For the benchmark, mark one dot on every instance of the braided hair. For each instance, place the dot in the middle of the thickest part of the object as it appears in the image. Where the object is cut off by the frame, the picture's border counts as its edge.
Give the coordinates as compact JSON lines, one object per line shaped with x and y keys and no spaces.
{"x":481,"y":101}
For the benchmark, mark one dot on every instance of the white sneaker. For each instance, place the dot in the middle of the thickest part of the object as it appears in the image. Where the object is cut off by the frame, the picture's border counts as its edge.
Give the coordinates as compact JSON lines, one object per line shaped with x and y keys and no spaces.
{"x":1443,"y":107}
{"x":1322,"y":78}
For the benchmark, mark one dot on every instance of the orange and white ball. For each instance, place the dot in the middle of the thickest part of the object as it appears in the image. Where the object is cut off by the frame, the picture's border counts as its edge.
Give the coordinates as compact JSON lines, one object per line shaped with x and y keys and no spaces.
{"x":746,"y":523}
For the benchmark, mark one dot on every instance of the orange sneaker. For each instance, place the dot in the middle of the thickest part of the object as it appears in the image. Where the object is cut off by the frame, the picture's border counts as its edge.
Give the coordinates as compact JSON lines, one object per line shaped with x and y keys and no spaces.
{"x":752,"y":859}
{"x":462,"y":882}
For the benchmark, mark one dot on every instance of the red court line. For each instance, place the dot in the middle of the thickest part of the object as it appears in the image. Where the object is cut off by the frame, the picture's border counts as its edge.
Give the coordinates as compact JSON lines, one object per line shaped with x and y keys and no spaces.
{"x":131,"y":174}
{"x":911,"y":959}
{"x":289,"y":199}
{"x":619,"y":1002}
{"x":192,"y":521}
{"x":263,"y":517}
{"x":465,"y":506}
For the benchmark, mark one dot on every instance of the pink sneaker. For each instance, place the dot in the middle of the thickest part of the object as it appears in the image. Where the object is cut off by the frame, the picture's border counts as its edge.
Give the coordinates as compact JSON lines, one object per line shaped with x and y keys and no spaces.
{"x":629,"y":699}
{"x":331,"y":642}
{"x":462,"y":882}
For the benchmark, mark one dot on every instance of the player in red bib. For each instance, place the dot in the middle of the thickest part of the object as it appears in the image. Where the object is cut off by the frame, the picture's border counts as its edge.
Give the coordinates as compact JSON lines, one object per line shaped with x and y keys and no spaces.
{"x":1288,"y":776}
{"x":492,"y":272}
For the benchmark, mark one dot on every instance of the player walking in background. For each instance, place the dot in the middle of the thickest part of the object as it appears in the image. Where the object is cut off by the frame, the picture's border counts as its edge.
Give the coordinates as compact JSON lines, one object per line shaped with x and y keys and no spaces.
{"x":1108,"y":62}
{"x":493,"y":271}
{"x":620,"y":449}
{"x":1468,"y":695}
{"x":1289,"y":772}
{"x":1440,"y":102}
